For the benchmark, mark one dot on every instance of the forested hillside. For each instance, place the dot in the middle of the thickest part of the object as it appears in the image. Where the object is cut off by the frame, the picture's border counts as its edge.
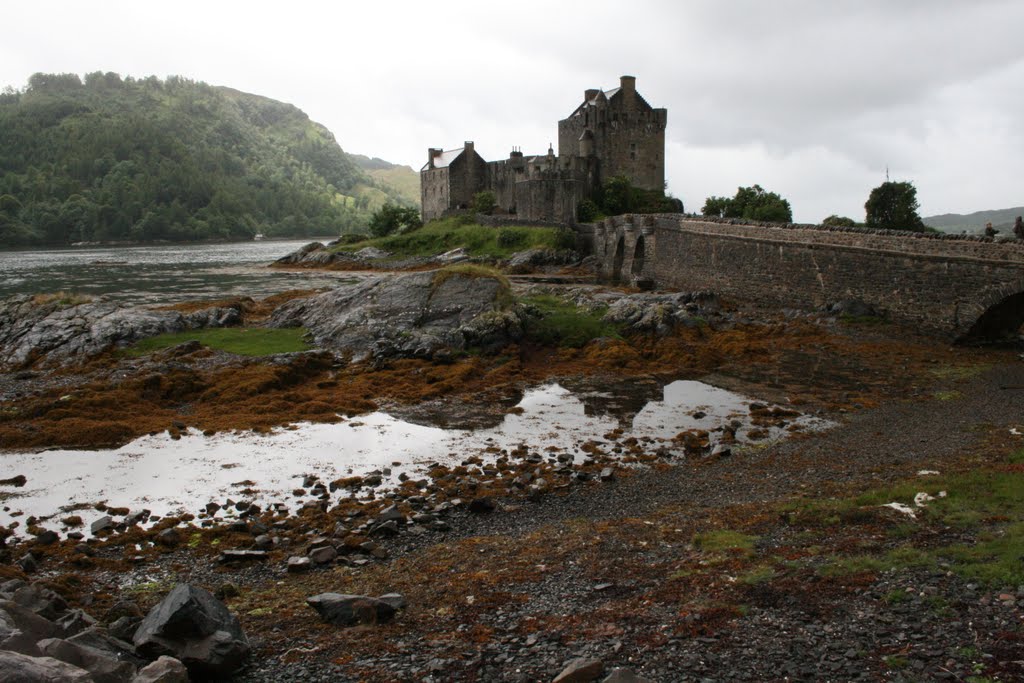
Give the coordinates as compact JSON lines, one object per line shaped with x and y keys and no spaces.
{"x":124,"y":159}
{"x":401,"y":179}
{"x":1001,"y":219}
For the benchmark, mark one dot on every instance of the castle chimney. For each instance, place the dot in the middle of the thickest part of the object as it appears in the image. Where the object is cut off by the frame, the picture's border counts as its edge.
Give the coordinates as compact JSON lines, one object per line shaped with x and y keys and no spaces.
{"x":628,"y":84}
{"x":468,"y":146}
{"x":432,"y":153}
{"x":589,"y":94}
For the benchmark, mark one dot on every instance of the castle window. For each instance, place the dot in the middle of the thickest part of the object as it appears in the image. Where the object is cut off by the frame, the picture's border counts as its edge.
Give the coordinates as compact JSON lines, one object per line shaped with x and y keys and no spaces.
{"x":632,"y":155}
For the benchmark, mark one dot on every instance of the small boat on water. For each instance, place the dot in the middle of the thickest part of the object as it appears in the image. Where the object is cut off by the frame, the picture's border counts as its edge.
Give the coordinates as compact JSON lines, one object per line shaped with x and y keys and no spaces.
{"x":257,"y":237}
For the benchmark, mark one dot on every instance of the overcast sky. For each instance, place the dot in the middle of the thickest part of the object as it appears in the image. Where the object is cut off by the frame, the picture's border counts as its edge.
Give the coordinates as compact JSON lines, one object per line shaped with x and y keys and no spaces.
{"x":807,"y":98}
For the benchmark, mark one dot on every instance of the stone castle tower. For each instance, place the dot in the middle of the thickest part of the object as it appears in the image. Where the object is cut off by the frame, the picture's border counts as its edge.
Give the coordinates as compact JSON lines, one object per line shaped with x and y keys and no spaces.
{"x":614,"y":132}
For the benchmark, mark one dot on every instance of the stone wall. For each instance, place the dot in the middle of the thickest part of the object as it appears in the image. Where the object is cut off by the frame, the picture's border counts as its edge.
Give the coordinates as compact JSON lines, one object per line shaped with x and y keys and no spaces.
{"x":937,"y":284}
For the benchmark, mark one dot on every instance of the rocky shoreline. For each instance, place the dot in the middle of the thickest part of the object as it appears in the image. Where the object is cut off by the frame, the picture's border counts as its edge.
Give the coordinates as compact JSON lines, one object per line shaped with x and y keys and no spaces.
{"x":633,"y":563}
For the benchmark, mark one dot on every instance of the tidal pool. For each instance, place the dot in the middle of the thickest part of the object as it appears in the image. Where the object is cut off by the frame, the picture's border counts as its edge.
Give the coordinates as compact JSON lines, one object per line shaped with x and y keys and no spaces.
{"x":172,"y":476}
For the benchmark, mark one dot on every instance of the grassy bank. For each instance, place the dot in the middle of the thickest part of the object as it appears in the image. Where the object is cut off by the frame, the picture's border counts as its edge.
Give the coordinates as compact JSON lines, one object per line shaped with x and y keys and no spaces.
{"x":479,"y":241}
{"x":244,"y":341}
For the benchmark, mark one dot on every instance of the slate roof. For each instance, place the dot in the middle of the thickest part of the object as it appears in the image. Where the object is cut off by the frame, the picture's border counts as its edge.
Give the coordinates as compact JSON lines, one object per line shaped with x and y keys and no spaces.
{"x":446,"y":158}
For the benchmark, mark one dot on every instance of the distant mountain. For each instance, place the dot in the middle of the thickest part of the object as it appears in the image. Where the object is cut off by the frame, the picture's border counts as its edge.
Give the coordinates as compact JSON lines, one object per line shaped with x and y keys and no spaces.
{"x":402,"y":179}
{"x":148,"y":159}
{"x":1001,"y":219}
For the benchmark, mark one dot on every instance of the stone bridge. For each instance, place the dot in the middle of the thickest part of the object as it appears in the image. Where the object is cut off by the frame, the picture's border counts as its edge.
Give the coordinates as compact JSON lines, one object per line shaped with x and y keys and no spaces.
{"x":966,"y":288}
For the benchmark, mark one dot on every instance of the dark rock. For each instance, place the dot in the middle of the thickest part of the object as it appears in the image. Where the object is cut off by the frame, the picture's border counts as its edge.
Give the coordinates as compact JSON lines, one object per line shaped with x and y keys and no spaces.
{"x":193,"y":626}
{"x":104,"y":523}
{"x":230,"y":556}
{"x":47,"y":537}
{"x":103,"y":667}
{"x":123,"y":628}
{"x":386,"y":529}
{"x":607,"y":474}
{"x":28,"y":563}
{"x":99,"y":638}
{"x":163,"y":670}
{"x":168,"y":537}
{"x":323,"y":555}
{"x":482,"y":505}
{"x":21,"y":628}
{"x":581,"y":670}
{"x":349,"y":610}
{"x":299,"y":564}
{"x":43,"y":601}
{"x":396,"y":600}
{"x":624,"y":676}
{"x":75,"y":621}
{"x":18,"y":481}
{"x":20,"y":668}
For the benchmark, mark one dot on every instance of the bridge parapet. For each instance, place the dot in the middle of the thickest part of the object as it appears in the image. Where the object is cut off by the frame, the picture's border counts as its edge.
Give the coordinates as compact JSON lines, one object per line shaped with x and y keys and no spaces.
{"x":937,"y":283}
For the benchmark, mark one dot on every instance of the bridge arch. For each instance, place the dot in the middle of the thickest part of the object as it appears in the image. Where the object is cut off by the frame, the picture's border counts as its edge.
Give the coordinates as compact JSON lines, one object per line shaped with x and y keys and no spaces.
{"x":637,"y":266}
{"x":620,"y":257}
{"x":999,"y":323}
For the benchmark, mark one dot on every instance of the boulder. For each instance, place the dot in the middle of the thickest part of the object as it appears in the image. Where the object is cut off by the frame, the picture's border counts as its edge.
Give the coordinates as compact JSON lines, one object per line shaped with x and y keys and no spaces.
{"x":349,"y":610}
{"x":581,"y":670}
{"x":19,"y":668}
{"x":59,"y":330}
{"x":194,"y":627}
{"x":21,"y":628}
{"x":406,"y":315}
{"x":164,"y":670}
{"x":43,"y":601}
{"x":101,"y":665}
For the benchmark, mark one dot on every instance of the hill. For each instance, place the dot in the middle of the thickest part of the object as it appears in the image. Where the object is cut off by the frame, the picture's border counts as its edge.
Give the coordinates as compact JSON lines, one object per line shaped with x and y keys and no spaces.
{"x":106,"y":158}
{"x":1001,"y":219}
{"x":403,"y":180}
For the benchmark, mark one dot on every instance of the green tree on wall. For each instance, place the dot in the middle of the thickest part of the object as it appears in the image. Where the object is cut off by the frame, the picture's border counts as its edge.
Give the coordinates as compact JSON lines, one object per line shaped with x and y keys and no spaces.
{"x":839,"y":221}
{"x":893,"y":206}
{"x":752,"y":203}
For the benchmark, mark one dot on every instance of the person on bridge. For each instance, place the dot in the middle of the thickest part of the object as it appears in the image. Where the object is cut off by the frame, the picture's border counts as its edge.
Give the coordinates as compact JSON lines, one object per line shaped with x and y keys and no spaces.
{"x":1018,"y":229}
{"x":990,"y":231}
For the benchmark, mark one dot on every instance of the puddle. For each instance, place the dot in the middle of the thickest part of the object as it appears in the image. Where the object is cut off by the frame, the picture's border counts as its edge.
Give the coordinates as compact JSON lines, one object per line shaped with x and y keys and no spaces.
{"x":170,"y":476}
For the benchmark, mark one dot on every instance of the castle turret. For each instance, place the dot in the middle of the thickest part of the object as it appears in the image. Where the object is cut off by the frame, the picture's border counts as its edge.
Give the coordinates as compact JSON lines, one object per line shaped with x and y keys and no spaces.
{"x":589,"y":94}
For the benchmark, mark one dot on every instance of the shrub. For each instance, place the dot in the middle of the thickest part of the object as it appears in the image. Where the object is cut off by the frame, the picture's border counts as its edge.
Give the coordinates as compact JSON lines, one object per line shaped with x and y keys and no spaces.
{"x":512,"y":238}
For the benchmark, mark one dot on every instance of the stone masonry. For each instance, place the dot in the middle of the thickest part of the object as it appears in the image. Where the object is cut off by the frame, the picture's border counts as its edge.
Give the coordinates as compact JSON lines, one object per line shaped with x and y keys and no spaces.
{"x":613,"y":132}
{"x":968,"y":289}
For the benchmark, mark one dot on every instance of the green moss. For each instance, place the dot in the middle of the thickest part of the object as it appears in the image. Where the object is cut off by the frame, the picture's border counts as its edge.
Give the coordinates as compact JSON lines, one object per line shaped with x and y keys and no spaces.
{"x":479,"y":241}
{"x":947,"y":395}
{"x":724,"y":540}
{"x":244,"y":341}
{"x":555,"y":322}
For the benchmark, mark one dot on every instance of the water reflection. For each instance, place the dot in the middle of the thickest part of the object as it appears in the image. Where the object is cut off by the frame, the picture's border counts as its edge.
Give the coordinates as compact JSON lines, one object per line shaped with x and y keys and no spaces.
{"x":167,"y":476}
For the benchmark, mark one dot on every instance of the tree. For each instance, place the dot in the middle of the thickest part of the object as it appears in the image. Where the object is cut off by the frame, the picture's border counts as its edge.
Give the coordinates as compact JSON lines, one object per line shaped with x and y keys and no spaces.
{"x":484,"y":202}
{"x":839,"y":221}
{"x":391,"y":218}
{"x":751,"y":203}
{"x":893,"y":206}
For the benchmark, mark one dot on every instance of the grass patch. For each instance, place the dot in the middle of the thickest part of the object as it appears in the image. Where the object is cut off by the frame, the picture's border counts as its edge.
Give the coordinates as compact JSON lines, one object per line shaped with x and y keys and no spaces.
{"x":725,"y":541}
{"x":61,"y":299}
{"x":757,"y":575}
{"x":987,"y":504}
{"x":244,"y":341}
{"x":479,"y":241}
{"x":947,"y":395}
{"x":556,"y":322}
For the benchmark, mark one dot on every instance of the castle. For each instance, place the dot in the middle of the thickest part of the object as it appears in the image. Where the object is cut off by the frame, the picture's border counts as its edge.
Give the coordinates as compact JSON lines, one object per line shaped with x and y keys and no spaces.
{"x":613,"y":132}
